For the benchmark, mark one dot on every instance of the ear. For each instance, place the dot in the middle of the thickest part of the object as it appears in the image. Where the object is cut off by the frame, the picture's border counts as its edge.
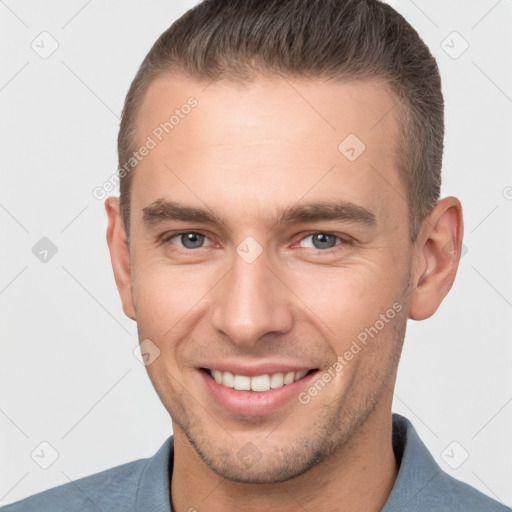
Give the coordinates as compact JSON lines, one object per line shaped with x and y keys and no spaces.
{"x":437,"y":256}
{"x":119,"y":255}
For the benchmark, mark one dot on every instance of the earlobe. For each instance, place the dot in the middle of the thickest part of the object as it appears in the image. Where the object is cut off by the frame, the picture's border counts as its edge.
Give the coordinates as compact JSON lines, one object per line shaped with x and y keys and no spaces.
{"x":119,"y":255}
{"x":437,"y":255}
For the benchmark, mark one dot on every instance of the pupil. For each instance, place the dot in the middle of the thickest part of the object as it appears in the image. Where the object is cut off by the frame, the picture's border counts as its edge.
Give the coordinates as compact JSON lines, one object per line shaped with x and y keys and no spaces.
{"x":192,"y":240}
{"x":321,"y":241}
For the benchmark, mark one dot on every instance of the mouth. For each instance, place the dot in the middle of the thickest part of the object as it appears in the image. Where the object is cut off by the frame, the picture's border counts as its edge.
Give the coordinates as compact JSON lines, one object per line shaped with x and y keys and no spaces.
{"x":254,"y":390}
{"x":257,"y":383}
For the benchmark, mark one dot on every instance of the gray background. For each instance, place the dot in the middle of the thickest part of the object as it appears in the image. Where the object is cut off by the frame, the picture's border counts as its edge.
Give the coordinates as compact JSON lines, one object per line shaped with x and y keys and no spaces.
{"x":68,"y":372}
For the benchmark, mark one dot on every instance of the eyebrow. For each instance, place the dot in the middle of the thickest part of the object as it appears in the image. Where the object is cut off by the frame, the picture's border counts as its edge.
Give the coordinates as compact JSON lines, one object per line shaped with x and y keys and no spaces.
{"x":163,"y":210}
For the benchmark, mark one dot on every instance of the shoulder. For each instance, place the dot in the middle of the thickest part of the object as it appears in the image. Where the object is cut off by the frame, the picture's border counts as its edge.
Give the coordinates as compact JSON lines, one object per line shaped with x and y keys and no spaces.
{"x":95,"y":492}
{"x":449,"y":494}
{"x":115,"y":489}
{"x":422,"y":485}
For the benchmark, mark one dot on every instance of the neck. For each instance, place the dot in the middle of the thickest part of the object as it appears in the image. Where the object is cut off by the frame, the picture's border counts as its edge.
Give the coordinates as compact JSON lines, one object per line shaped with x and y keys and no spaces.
{"x":360,"y":476}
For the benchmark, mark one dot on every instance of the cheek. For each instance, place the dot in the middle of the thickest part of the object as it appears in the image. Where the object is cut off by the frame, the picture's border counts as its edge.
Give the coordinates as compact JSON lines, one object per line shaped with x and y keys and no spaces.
{"x":346,"y":299}
{"x":164,"y":294}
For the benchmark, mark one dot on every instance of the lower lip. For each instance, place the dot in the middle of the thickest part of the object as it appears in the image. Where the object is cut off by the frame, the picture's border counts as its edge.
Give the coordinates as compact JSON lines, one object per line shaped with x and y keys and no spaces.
{"x":254,"y":403}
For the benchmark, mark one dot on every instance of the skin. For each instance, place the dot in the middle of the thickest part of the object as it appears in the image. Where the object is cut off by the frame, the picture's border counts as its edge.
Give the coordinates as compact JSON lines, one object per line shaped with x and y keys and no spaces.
{"x":246,"y":153}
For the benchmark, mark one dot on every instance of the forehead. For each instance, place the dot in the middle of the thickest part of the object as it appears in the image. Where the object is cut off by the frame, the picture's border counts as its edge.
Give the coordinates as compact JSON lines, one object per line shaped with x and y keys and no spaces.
{"x":268,"y":143}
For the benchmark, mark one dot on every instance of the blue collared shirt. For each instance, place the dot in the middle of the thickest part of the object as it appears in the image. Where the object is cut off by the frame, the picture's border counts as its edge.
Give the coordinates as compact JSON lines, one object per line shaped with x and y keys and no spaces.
{"x":143,"y":485}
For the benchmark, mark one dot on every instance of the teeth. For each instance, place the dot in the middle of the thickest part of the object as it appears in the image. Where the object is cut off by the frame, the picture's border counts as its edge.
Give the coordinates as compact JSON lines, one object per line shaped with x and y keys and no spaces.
{"x":299,"y":375}
{"x":257,"y":383}
{"x":217,"y":375}
{"x":242,"y":383}
{"x":260,"y":383}
{"x":289,"y":377}
{"x":228,"y":379}
{"x":277,"y":380}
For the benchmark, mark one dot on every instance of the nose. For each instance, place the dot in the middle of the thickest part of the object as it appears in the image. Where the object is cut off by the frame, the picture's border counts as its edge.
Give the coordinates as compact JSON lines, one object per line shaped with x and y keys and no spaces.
{"x":251,"y":302}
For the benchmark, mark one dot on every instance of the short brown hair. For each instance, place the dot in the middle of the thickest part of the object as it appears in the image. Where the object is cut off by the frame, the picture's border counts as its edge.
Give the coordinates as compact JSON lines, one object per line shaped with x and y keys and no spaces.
{"x":325,"y":39}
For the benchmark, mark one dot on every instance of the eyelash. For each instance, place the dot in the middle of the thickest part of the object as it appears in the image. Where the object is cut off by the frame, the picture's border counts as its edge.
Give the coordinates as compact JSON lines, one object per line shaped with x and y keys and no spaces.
{"x":343,"y":241}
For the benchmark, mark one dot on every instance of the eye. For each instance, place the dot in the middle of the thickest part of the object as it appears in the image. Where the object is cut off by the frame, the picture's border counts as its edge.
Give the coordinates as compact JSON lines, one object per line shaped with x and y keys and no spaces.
{"x":188,"y":240}
{"x":322,"y":241}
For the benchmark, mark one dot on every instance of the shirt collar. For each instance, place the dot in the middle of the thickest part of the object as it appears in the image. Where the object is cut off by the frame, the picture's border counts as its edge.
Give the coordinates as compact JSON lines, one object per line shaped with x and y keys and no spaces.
{"x":153,"y":493}
{"x":418,"y":469}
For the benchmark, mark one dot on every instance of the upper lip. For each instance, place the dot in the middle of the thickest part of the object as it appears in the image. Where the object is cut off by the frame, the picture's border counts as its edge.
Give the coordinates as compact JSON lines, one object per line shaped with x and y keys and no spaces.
{"x":238,"y":368}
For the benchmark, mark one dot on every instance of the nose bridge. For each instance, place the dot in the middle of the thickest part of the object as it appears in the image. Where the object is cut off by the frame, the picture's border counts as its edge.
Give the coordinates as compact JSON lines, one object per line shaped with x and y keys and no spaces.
{"x":251,"y":301}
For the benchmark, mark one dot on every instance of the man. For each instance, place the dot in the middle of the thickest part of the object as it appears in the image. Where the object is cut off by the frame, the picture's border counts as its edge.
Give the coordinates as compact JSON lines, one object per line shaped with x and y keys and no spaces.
{"x":279,"y":221}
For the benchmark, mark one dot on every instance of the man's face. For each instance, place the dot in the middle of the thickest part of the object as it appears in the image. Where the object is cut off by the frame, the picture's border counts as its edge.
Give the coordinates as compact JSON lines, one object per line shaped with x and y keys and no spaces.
{"x":270,"y":289}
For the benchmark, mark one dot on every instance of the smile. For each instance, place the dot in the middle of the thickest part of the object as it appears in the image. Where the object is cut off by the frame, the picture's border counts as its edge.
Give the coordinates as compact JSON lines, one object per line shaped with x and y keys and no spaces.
{"x":259,"y":383}
{"x":248,"y":391}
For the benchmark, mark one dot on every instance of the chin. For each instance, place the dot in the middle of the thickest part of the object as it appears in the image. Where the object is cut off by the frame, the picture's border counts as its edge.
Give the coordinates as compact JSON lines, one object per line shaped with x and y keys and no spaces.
{"x":273,"y":464}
